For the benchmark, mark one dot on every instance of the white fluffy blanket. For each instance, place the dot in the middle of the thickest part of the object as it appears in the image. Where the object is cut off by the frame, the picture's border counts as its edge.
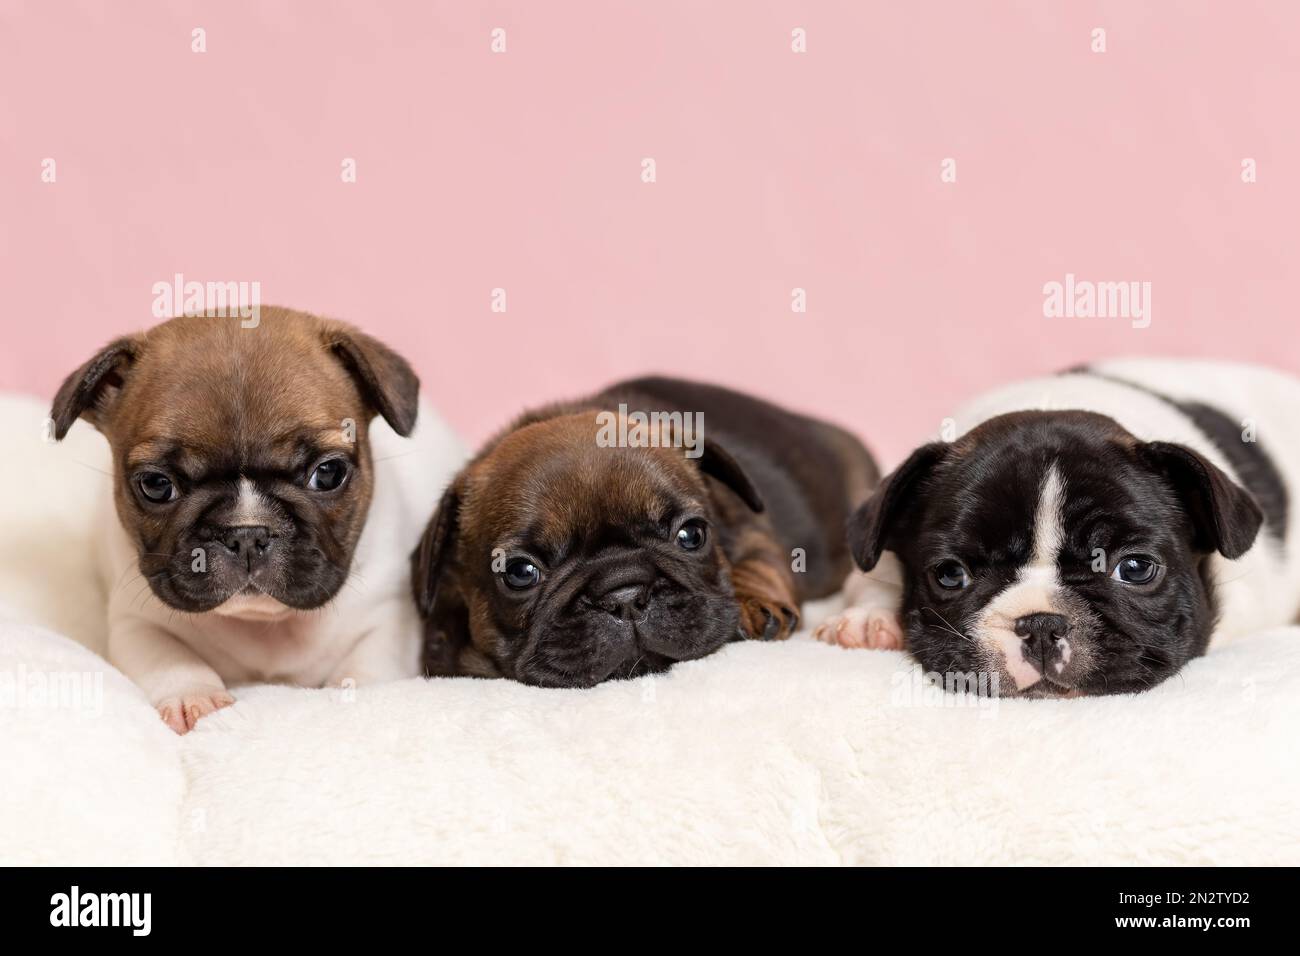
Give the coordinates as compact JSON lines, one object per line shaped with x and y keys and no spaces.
{"x":793,"y":753}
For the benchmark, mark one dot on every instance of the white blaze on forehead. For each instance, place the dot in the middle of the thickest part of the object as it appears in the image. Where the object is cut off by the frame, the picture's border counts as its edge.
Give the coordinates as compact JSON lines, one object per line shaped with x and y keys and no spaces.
{"x":1035,"y":587}
{"x":1048,"y":530}
{"x":251,"y":507}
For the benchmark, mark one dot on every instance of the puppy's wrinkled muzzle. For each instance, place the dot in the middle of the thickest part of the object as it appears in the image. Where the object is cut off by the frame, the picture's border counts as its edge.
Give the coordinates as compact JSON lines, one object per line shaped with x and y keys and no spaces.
{"x":1035,"y":655}
{"x":627,"y":620}
{"x":1045,"y":646}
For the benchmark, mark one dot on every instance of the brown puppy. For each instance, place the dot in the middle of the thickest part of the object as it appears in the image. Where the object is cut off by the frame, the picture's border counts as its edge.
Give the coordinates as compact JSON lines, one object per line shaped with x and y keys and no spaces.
{"x":244,"y":498}
{"x":648,"y":524}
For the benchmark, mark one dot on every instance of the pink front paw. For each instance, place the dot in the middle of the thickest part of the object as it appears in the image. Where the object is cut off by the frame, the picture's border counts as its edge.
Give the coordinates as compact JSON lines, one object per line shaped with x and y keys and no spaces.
{"x":183,"y":711}
{"x":875,"y":628}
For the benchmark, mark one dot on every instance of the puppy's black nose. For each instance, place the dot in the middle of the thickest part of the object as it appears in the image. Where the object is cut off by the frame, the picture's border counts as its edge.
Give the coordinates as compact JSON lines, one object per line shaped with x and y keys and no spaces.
{"x":1039,"y":630}
{"x":625,"y":602}
{"x":248,"y":543}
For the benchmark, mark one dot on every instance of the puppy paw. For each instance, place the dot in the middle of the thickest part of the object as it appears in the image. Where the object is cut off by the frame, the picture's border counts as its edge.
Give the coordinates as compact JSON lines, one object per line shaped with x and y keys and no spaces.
{"x":762,"y":620}
{"x":877,"y":628}
{"x":182,"y":712}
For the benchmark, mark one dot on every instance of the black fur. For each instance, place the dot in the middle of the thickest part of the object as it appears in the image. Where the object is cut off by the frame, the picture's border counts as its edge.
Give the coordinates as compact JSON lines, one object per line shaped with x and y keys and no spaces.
{"x":1249,"y":459}
{"x":804,"y":469}
{"x":975,"y":501}
{"x":1253,"y":465}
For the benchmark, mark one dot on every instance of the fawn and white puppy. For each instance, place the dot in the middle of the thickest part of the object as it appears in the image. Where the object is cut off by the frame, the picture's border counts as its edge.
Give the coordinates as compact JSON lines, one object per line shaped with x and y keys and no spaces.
{"x":1087,"y":533}
{"x":259,"y":528}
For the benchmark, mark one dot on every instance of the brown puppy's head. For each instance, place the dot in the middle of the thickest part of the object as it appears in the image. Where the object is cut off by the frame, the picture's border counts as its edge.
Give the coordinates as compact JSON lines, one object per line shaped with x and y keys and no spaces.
{"x":241,"y":459}
{"x":559,"y":562}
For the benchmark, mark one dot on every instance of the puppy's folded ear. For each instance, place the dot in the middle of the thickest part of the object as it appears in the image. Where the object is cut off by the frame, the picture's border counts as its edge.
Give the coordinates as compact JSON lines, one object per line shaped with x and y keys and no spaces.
{"x":873,"y":524}
{"x":91,"y":390}
{"x":431,"y":556}
{"x":386,"y":380}
{"x":1225,"y":516}
{"x":446,"y":627}
{"x":718,"y":462}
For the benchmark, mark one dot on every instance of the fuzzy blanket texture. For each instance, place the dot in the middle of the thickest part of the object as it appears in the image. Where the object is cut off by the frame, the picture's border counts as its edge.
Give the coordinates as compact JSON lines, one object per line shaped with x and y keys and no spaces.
{"x":762,"y":754}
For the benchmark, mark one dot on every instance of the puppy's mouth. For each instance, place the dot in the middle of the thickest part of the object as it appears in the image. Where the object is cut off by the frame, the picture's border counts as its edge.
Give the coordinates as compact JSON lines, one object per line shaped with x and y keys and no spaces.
{"x":557,"y":676}
{"x":265,"y":596}
{"x":253,"y":604}
{"x":1051,"y":689}
{"x":619,"y":623}
{"x":1017,"y":681}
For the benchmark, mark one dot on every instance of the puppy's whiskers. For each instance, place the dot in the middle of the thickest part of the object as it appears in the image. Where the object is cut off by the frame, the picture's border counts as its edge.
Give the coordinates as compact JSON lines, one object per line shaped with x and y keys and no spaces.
{"x":948,"y":627}
{"x":1220,"y":582}
{"x":875,"y":580}
{"x":91,"y":467}
{"x":392,"y":457}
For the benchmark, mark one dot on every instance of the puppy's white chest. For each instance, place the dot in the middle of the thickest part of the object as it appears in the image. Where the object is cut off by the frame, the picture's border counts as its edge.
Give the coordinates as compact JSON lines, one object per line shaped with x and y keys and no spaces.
{"x":296,"y":647}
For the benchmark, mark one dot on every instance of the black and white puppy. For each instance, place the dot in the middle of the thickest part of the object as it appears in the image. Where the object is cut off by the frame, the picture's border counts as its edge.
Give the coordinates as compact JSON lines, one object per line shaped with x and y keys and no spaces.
{"x":1086,"y":533}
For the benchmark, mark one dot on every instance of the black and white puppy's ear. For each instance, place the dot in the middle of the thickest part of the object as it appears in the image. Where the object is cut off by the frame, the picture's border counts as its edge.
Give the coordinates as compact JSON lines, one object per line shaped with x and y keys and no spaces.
{"x":1224,"y":514}
{"x":873,"y":524}
{"x":386,"y":380}
{"x":717,"y":462}
{"x":91,"y":391}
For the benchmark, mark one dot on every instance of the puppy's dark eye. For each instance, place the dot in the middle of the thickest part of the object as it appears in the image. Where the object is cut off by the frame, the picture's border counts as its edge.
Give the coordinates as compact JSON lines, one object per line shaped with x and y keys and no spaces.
{"x":521,"y":574}
{"x":157,"y":487}
{"x":329,"y":474}
{"x":951,"y":575}
{"x":1136,"y":569}
{"x":692,"y":535}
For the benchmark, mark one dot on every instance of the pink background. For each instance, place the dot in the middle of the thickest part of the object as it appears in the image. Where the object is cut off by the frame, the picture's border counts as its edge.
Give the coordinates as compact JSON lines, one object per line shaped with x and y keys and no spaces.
{"x":775,"y":170}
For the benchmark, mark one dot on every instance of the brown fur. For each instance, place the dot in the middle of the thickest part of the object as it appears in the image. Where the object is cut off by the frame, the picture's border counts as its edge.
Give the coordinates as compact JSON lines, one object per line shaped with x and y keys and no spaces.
{"x":545,"y":478}
{"x":205,"y":395}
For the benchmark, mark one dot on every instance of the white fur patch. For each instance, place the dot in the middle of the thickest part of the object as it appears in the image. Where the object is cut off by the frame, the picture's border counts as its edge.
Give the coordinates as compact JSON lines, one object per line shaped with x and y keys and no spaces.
{"x":1010,"y":646}
{"x":1066,"y":653}
{"x":1035,"y":588}
{"x":1049,"y":531}
{"x":251,"y":507}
